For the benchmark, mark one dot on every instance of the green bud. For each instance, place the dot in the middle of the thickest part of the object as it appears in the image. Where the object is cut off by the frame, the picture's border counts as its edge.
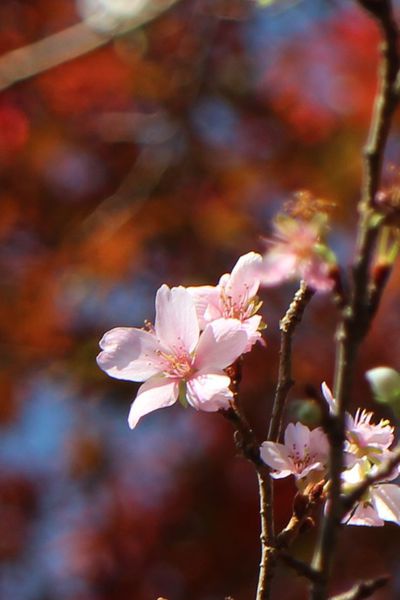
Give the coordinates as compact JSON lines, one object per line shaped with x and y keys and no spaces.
{"x":385,"y":384}
{"x":306,"y":411}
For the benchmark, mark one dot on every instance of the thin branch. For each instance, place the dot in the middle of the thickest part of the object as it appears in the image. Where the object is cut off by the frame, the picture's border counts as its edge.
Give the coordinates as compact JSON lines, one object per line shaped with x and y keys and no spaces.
{"x":304,"y":506}
{"x":268,"y":550}
{"x":245,"y":439}
{"x":248,"y":445}
{"x":356,"y":317}
{"x":299,"y":566}
{"x":68,"y":44}
{"x":287,"y":326}
{"x":380,"y":278}
{"x":362,"y":590}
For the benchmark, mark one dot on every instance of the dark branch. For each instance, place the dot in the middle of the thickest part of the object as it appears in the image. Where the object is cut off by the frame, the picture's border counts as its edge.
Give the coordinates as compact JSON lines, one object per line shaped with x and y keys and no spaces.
{"x":362,"y":590}
{"x":357,"y":315}
{"x":299,"y":566}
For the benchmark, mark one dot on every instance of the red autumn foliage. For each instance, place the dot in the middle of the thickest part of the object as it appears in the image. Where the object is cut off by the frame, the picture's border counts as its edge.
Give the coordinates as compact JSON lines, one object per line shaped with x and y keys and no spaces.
{"x":162,"y":157}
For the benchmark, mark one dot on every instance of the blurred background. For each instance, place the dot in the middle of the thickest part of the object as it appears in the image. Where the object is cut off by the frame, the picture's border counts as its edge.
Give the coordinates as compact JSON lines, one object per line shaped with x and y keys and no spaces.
{"x":161,"y":155}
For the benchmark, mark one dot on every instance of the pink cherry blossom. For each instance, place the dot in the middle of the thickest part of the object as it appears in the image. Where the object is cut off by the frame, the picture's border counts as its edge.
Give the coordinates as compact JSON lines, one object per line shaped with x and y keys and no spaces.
{"x":304,"y":452}
{"x":235,"y":297}
{"x":174,"y":359}
{"x":363,"y":437}
{"x":297,"y":251}
{"x":380,"y":503}
{"x":369,"y":437}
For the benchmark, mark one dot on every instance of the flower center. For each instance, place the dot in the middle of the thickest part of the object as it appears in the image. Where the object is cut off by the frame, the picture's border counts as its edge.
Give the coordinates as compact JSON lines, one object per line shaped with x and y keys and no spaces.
{"x":177,"y":365}
{"x":242,"y":309}
{"x":303,"y":245}
{"x":300,"y":461}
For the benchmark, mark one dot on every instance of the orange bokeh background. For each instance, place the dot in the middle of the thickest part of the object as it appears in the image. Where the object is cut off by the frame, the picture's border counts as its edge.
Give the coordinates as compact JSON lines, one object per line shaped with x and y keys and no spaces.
{"x":162,"y":157}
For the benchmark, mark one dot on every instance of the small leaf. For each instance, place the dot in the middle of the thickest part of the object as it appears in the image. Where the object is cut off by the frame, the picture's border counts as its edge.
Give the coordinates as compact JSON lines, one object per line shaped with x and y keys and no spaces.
{"x":325,"y":253}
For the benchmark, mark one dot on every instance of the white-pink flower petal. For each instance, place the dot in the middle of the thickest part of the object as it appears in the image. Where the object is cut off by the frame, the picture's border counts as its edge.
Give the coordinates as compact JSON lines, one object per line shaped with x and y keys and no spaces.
{"x":244,"y":281}
{"x":176,"y":323}
{"x":297,"y":251}
{"x":157,"y":392}
{"x":129,"y":353}
{"x":386,"y":501}
{"x":319,"y":444}
{"x":220,"y":344}
{"x":209,"y":391}
{"x":203,"y":296}
{"x":297,"y":438}
{"x":328,"y":397}
{"x":275,"y":455}
{"x":304,"y":451}
{"x":278,"y":265}
{"x":364,"y":515}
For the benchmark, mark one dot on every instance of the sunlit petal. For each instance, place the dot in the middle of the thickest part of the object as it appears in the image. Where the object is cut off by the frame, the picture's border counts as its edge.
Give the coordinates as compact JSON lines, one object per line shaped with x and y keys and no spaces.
{"x":244,"y":281}
{"x":386,"y":500}
{"x":157,"y":392}
{"x":209,"y":391}
{"x":129,"y":353}
{"x":220,"y":344}
{"x":276,"y":456}
{"x":203,"y":296}
{"x":176,"y":323}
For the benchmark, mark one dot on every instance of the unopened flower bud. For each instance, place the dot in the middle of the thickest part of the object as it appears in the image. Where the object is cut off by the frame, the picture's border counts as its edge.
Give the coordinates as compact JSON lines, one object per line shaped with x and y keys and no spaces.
{"x":387,"y":202}
{"x":385,"y":383}
{"x":300,"y":505}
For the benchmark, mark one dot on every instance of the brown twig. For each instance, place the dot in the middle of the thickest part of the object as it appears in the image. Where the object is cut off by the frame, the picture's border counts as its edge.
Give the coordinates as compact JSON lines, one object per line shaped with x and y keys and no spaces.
{"x":356,"y":316}
{"x":380,"y":277}
{"x":245,"y":439}
{"x":362,"y":590}
{"x":303,"y":508}
{"x":248,"y":445}
{"x":302,"y":519}
{"x":287,"y":327}
{"x":268,"y":550}
{"x":299,"y":566}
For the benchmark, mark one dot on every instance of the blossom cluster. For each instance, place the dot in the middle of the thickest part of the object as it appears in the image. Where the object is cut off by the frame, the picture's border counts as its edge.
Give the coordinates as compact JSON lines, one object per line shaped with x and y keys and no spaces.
{"x":200,"y":331}
{"x":305,"y":455}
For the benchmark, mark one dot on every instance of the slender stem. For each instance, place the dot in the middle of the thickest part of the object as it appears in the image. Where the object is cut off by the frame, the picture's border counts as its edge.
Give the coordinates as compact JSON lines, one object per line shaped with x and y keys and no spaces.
{"x":268,"y":551}
{"x":299,"y":566}
{"x":248,"y":445}
{"x":287,"y":326}
{"x":356,"y":316}
{"x":362,"y":590}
